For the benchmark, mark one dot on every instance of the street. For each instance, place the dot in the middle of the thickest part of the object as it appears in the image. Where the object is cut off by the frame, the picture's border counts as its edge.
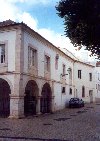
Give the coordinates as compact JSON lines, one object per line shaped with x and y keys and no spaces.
{"x":77,"y":124}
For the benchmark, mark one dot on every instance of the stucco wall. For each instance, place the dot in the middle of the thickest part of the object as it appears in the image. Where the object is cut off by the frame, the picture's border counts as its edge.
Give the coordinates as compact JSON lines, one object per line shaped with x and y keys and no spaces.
{"x":10,"y":38}
{"x":42,"y":49}
{"x":59,"y":81}
{"x":97,"y":80}
{"x":84,"y":81}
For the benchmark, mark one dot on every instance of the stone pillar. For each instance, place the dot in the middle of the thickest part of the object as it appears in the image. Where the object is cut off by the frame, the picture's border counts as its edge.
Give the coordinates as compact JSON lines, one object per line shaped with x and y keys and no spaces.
{"x":16,"y":106}
{"x":38,"y":105}
{"x":52,"y":104}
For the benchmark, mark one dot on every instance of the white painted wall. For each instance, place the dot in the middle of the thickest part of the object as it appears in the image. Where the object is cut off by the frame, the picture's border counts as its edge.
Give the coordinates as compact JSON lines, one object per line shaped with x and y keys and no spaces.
{"x":10,"y":37}
{"x":84,"y":81}
{"x":61,"y":99}
{"x":97,"y":75}
{"x":42,"y":49}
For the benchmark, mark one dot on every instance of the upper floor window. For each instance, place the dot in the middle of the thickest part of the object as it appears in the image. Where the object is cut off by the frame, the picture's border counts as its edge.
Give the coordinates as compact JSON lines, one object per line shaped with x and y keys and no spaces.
{"x":64,"y":68}
{"x":70,"y":91}
{"x":79,"y":74}
{"x":56,"y":61}
{"x":2,"y":53}
{"x":98,"y":87}
{"x":47,"y":63}
{"x":63,"y":89}
{"x":90,"y":76}
{"x":32,"y":57}
{"x":70,"y":73}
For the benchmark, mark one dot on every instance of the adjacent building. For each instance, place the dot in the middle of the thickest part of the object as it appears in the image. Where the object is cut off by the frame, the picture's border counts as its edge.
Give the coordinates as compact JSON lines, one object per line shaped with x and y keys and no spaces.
{"x":36,"y":77}
{"x":97,"y":68}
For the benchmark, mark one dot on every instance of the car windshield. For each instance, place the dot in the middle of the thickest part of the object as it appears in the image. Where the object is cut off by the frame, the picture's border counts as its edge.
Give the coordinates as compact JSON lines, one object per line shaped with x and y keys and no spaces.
{"x":74,"y":99}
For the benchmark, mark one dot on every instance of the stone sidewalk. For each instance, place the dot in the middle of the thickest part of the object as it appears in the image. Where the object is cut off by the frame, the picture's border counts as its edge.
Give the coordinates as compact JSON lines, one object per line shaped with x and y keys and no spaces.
{"x":78,"y":124}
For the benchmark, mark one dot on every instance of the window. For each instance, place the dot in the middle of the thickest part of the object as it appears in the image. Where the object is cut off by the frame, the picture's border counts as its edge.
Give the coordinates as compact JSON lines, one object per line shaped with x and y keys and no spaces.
{"x":64,"y":67}
{"x":70,"y":91}
{"x":79,"y":74}
{"x":2,"y":53}
{"x":47,"y":63}
{"x":98,"y":87}
{"x":83,"y":91}
{"x":32,"y":57}
{"x":90,"y":76}
{"x":56,"y":61}
{"x":63,"y":89}
{"x":70,"y":73}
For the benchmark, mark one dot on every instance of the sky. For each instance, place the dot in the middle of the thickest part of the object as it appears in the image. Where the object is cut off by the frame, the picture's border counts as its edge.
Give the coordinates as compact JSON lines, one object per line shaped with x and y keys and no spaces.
{"x":41,"y":16}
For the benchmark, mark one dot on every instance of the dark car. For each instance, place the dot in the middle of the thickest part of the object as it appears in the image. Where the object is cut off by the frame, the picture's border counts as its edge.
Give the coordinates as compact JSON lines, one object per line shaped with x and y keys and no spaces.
{"x":76,"y":102}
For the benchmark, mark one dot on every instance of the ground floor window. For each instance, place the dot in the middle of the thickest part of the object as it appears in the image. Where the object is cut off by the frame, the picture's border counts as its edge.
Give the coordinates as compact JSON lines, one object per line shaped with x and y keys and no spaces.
{"x":83,"y":91}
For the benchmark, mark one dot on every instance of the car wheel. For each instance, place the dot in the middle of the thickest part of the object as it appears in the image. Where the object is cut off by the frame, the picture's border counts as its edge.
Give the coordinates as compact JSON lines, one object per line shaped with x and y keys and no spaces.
{"x":70,"y":106}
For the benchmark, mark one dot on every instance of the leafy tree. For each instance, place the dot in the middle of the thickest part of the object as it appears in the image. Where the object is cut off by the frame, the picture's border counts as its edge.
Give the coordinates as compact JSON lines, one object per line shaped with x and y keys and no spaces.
{"x":82,"y":23}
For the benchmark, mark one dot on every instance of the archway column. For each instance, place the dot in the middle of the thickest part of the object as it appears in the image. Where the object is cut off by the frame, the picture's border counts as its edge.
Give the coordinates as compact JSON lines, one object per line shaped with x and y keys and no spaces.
{"x":52,"y":104}
{"x":16,"y":106}
{"x":38,"y":105}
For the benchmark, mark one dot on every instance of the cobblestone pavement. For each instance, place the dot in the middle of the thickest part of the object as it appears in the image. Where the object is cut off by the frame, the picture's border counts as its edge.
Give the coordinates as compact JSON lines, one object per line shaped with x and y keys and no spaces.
{"x":78,"y":124}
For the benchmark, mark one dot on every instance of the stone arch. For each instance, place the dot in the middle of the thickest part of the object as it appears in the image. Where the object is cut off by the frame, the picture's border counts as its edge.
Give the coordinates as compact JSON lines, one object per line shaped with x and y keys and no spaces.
{"x":30,"y":99}
{"x":29,"y":79}
{"x":46,"y":97}
{"x":9,"y":82}
{"x":5,"y":92}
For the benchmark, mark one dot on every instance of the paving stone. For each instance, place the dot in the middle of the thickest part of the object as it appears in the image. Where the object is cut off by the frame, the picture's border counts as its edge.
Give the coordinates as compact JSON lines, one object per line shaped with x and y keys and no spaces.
{"x":77,"y":124}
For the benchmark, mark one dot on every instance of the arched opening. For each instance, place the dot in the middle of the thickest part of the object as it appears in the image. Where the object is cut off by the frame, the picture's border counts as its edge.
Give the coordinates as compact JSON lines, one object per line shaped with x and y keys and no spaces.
{"x":5,"y":92}
{"x":30,"y":99}
{"x":46,"y":99}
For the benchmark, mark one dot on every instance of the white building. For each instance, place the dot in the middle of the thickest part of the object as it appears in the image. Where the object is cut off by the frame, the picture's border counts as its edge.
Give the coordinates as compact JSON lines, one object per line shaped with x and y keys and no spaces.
{"x":35,"y":76}
{"x":98,"y":81}
{"x":84,"y":81}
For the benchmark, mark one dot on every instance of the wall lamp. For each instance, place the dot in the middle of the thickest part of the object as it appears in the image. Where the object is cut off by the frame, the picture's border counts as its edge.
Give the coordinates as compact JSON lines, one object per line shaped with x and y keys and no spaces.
{"x":69,"y":70}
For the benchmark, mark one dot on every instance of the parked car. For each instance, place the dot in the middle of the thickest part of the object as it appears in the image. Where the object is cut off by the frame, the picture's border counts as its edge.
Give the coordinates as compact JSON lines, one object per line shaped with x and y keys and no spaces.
{"x":76,"y":102}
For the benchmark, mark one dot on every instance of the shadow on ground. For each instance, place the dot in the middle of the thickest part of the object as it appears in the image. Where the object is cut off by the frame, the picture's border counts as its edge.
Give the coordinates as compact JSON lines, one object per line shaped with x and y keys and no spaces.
{"x":62,"y":119}
{"x":25,"y":138}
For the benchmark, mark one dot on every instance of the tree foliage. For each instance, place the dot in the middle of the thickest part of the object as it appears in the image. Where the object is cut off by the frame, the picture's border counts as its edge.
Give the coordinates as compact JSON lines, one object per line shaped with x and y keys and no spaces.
{"x":82,"y":23}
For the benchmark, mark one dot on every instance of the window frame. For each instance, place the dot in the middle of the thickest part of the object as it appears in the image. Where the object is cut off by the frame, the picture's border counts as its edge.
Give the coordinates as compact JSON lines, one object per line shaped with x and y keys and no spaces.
{"x":5,"y":63}
{"x":70,"y":91}
{"x":56,"y":62}
{"x":70,"y":74}
{"x":2,"y":53}
{"x":63,"y":89}
{"x":83,"y":91}
{"x":90,"y":76}
{"x":47,"y":63}
{"x":63,"y":69}
{"x":80,"y":74}
{"x":32,"y":50}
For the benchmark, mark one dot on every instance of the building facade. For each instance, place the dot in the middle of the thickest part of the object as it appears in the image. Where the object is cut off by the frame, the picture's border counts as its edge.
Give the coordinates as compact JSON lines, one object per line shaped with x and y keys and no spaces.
{"x":97,"y":81}
{"x":35,"y":76}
